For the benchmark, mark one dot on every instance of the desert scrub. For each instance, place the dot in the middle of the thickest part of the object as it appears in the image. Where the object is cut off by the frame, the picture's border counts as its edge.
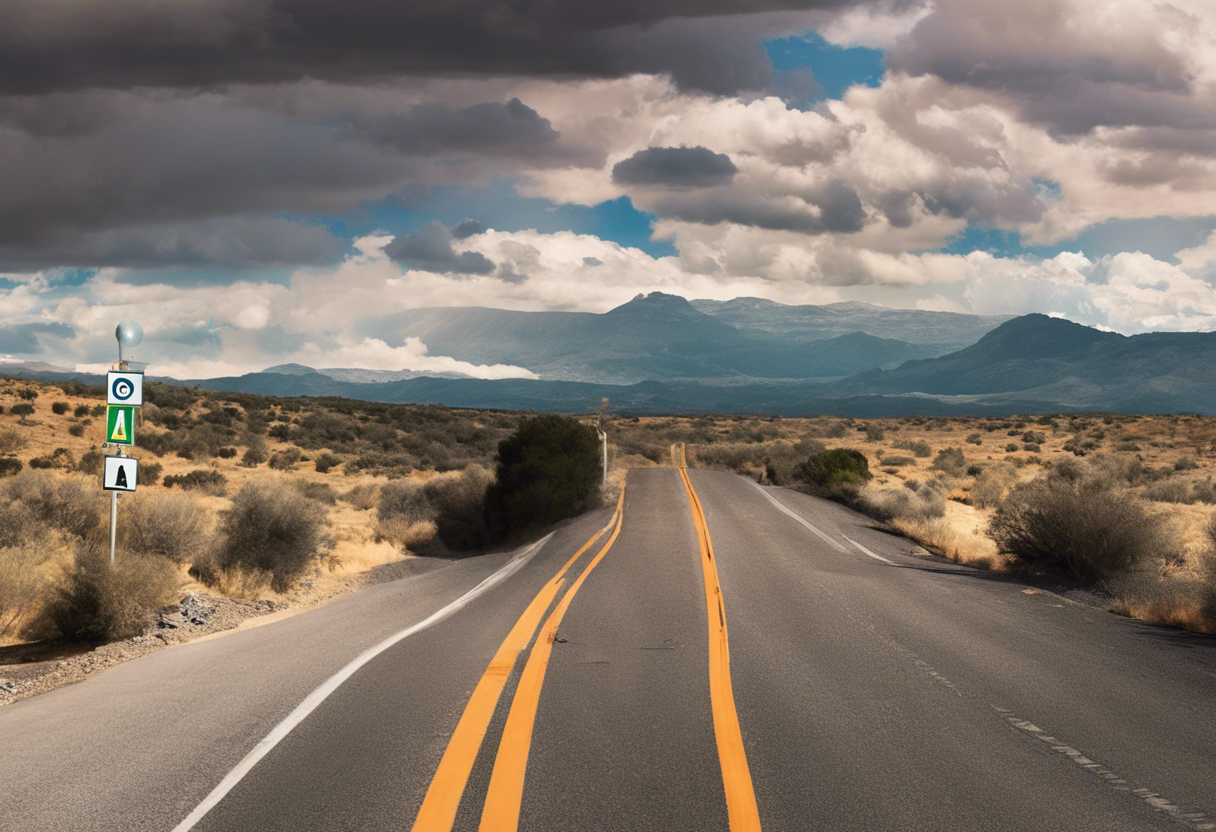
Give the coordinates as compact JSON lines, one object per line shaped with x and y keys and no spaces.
{"x":1078,"y":528}
{"x":202,"y":479}
{"x":459,"y":501}
{"x":919,"y":447}
{"x":271,"y":528}
{"x":99,"y":603}
{"x":74,"y":506}
{"x":404,"y":516}
{"x":919,"y":503}
{"x":170,"y":525}
{"x":362,"y":497}
{"x":21,"y":585}
{"x":992,"y":485}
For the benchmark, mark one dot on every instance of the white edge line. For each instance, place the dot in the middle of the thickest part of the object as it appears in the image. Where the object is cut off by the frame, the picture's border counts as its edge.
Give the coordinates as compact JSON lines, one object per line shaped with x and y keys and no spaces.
{"x":782,"y":507}
{"x":866,"y":551}
{"x":331,"y":684}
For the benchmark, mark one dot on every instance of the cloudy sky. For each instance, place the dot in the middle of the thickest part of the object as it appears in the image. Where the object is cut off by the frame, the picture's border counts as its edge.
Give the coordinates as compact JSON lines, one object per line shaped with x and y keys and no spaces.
{"x":259,"y":181}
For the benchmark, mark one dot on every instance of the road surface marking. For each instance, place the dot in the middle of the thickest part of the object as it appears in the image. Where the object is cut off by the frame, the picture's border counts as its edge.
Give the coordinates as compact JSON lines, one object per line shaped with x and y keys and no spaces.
{"x":741,"y":809}
{"x":506,"y":791}
{"x":442,"y":801}
{"x":786,"y":510}
{"x":1195,"y":820}
{"x":321,"y":693}
{"x":866,"y":551}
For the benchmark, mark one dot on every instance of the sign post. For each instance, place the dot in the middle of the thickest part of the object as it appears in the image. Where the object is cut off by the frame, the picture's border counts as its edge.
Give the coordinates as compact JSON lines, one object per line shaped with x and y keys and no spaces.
{"x":124,"y":397}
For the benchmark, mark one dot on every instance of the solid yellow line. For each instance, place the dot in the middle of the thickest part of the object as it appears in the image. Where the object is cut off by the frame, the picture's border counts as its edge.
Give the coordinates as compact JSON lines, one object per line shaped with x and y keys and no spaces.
{"x":741,"y":809}
{"x":506,"y":791}
{"x":442,"y":800}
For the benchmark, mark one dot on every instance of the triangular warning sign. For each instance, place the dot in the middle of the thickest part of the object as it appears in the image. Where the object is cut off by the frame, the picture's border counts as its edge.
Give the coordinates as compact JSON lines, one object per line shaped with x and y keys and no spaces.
{"x":119,"y":434}
{"x":120,"y":479}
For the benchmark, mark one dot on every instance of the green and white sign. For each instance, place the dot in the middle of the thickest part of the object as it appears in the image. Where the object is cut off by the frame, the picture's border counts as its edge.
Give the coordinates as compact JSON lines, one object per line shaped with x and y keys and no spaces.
{"x":120,"y":424}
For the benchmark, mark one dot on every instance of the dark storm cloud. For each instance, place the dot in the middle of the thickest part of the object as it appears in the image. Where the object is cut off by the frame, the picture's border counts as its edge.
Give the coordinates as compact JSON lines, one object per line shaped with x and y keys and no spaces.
{"x":430,"y":249}
{"x":181,"y":160}
{"x":467,"y":228}
{"x":1061,"y":75}
{"x":510,"y":129}
{"x":675,"y":167}
{"x":22,"y":339}
{"x":840,"y":209}
{"x":230,"y":243}
{"x":131,"y":43}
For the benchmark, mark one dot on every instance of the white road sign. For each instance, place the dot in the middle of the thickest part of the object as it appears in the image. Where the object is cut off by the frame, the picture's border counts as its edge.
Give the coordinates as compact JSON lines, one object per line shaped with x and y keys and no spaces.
{"x":125,"y":388}
{"x":120,"y":473}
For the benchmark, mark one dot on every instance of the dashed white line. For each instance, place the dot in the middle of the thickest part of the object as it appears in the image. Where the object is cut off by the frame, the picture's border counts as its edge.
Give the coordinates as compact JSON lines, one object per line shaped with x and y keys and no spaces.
{"x":1196,"y":820}
{"x":321,"y":693}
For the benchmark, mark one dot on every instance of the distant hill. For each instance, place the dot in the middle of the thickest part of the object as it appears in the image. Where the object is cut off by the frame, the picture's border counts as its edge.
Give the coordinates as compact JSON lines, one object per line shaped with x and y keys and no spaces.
{"x":655,"y":336}
{"x":942,"y":332}
{"x":1060,"y":363}
{"x":1031,"y":364}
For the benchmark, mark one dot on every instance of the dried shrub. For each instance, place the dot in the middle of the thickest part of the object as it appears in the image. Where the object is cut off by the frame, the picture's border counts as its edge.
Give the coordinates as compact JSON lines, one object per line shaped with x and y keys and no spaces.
{"x":59,"y":408}
{"x":11,"y":441}
{"x":273,"y":528}
{"x":167,"y":524}
{"x":920,"y":503}
{"x":1080,"y":529}
{"x":99,"y":603}
{"x":919,"y":447}
{"x":406,"y":501}
{"x":321,"y":492}
{"x":404,"y":534}
{"x":202,"y":479}
{"x":459,"y":500}
{"x":72,"y":506}
{"x":362,"y":497}
{"x":950,"y":461}
{"x":992,"y":485}
{"x":21,"y":589}
{"x":324,"y":462}
{"x":285,"y":460}
{"x":9,"y":466}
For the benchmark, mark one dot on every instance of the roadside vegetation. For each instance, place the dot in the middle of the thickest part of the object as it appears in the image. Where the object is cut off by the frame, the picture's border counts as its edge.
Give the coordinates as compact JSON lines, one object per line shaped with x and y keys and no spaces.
{"x":255,"y":497}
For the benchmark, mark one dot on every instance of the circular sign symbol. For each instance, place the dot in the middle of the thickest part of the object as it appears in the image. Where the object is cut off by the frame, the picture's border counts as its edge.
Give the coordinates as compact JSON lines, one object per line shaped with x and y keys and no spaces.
{"x":123,"y":389}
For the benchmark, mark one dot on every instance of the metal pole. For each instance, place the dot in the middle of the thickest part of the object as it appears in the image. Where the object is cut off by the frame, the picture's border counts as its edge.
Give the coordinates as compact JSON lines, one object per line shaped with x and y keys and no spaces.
{"x":113,"y":524}
{"x":604,"y":441}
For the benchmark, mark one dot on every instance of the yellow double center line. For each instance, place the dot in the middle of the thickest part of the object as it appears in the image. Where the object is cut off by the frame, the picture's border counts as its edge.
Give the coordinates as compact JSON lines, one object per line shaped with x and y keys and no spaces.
{"x":442,"y":800}
{"x":504,"y":796}
{"x":741,"y":809}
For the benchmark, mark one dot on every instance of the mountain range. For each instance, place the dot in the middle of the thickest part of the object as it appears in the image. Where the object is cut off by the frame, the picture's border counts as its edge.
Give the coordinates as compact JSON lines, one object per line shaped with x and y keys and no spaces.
{"x":661,"y":354}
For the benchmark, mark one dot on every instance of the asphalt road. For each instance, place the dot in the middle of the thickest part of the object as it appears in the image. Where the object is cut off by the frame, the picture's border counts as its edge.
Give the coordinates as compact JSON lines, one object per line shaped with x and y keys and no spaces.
{"x":864,"y":685}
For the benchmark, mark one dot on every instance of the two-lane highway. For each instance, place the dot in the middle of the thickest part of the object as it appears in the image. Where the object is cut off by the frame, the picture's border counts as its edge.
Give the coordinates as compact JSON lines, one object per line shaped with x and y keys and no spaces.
{"x":712,"y":655}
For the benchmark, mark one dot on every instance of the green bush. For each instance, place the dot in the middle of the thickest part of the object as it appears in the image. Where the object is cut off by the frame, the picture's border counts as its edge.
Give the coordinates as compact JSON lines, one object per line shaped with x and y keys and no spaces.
{"x":834,"y":468}
{"x":1079,"y":528}
{"x":271,"y":528}
{"x":99,"y":603}
{"x":81,"y":411}
{"x":549,"y":469}
{"x":59,"y":408}
{"x":22,"y":409}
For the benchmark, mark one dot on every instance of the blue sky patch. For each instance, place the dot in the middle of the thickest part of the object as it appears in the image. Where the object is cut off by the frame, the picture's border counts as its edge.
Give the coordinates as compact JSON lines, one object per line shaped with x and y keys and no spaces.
{"x":835,"y":68}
